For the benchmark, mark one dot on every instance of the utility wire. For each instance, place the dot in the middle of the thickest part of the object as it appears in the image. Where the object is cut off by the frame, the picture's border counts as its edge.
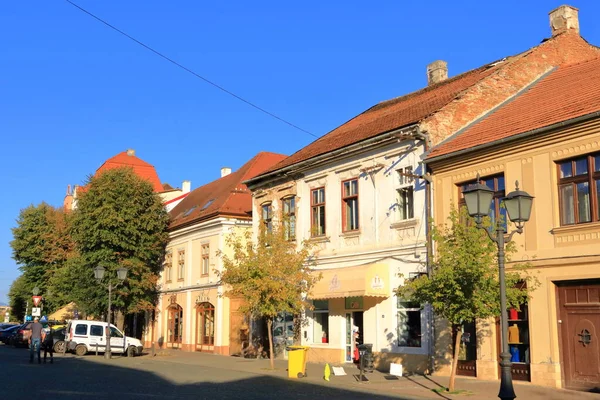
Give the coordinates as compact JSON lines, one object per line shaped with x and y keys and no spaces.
{"x":189,"y":70}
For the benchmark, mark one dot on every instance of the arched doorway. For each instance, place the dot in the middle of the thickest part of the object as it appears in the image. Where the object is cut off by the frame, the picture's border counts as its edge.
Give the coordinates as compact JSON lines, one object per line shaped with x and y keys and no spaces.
{"x":205,"y":327}
{"x":175,"y":326}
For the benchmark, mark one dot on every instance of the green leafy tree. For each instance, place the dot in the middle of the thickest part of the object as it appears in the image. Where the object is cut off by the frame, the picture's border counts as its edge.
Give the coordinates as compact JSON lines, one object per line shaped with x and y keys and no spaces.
{"x":464,"y":284}
{"x":272,"y":275}
{"x":119,"y":222}
{"x":18,"y":295}
{"x":42,"y":246}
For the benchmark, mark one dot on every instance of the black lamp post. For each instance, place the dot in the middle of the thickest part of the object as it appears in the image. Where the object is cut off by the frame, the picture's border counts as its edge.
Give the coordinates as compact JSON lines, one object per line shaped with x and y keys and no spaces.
{"x":99,"y":275}
{"x":518,"y":206}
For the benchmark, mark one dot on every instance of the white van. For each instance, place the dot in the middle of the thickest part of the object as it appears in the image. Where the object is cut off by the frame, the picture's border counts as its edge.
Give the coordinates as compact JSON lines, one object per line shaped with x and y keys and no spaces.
{"x":87,"y":336}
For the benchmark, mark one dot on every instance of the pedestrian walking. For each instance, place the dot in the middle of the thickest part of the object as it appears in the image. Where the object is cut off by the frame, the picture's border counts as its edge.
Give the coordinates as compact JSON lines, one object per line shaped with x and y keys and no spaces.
{"x":48,"y":342}
{"x":35,"y":340}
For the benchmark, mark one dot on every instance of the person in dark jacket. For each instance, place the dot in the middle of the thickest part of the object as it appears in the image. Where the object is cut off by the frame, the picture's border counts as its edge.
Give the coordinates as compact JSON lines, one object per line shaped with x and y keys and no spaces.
{"x":48,"y":343}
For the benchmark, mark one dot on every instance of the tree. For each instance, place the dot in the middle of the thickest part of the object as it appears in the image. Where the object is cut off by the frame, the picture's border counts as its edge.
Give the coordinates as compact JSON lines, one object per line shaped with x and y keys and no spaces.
{"x":119,"y":222}
{"x":18,"y":295}
{"x":464,"y":284}
{"x":42,"y":245}
{"x":272,"y":275}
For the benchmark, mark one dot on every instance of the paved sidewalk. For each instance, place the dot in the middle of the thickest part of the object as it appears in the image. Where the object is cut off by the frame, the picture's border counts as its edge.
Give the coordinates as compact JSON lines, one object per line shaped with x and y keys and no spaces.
{"x":408,"y":387}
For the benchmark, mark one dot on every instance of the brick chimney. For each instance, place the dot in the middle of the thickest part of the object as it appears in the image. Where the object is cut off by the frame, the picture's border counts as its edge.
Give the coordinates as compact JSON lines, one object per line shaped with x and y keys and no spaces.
{"x":225,"y":171}
{"x":563,"y":19}
{"x":437,"y":71}
{"x":130,"y":152}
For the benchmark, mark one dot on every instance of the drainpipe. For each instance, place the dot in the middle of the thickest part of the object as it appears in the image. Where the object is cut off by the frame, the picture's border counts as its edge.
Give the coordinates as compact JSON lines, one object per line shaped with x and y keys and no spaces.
{"x":428,"y":215}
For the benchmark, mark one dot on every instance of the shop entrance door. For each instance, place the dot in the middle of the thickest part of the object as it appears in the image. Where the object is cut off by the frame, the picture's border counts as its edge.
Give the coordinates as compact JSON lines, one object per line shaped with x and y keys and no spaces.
{"x":353,"y":320}
{"x":579,"y":325}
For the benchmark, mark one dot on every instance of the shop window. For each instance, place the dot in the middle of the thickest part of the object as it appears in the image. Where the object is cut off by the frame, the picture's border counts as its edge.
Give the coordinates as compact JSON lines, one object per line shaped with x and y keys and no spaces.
{"x":579,"y":189}
{"x":409,"y":324}
{"x":317,"y":203}
{"x":350,"y":205}
{"x":289,"y":218}
{"x":321,"y":321}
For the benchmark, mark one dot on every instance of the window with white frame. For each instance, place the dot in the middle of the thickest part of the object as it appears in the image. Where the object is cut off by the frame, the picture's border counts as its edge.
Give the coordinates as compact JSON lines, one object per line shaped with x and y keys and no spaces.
{"x":405,"y":203}
{"x":181,"y":264}
{"x":405,"y":175}
{"x":409,"y":324}
{"x":321,"y":321}
{"x":205,"y":259}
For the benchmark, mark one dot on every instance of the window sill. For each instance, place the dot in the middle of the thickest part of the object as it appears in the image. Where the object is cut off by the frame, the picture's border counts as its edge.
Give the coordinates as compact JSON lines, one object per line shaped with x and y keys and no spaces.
{"x":180,"y":280}
{"x":408,"y":223}
{"x":204,"y":276}
{"x":319,"y":239}
{"x":350,"y":234}
{"x":575,"y":227}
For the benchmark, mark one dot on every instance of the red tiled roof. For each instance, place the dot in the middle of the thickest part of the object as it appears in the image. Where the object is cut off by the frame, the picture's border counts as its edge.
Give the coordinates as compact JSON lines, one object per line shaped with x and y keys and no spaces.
{"x":224,"y":196}
{"x":568,"y":92}
{"x":389,"y":115}
{"x":140,"y":167}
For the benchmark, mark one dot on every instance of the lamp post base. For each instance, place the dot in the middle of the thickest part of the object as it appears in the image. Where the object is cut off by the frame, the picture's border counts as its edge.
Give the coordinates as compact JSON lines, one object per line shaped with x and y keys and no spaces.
{"x":507,"y":392}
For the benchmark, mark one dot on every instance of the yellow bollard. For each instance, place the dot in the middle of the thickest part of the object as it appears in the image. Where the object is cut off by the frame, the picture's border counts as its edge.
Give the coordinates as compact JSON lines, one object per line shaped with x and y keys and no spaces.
{"x":327,"y":372}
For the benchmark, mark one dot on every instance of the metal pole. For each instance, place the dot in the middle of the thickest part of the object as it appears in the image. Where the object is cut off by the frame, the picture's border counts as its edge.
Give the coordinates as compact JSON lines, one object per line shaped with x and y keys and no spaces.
{"x":107,"y":352}
{"x":507,"y":391}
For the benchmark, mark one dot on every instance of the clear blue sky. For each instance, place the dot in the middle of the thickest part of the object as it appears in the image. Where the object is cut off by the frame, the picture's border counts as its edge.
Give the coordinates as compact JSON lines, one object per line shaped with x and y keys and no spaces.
{"x":74,"y":93}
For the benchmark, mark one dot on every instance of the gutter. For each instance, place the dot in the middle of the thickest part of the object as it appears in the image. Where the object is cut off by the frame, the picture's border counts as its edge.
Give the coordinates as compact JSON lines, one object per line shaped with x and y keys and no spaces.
{"x":393,"y":134}
{"x":545,"y":129}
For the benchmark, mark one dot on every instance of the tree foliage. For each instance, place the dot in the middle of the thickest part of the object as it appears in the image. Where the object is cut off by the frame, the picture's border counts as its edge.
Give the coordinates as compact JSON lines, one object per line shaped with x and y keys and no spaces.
{"x":41,"y":247}
{"x":464,"y":284}
{"x":271,"y":274}
{"x":119,"y":222}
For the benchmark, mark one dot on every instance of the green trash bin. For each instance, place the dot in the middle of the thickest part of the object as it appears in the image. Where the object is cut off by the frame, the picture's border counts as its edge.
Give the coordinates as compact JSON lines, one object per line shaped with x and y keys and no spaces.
{"x":297,"y":361}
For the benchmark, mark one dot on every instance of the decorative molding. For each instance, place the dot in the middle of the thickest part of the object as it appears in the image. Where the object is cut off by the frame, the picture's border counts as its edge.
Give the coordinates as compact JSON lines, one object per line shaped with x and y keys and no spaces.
{"x":348,"y":168}
{"x":319,"y":239}
{"x":575,"y":235}
{"x":575,"y":150}
{"x":483,"y":171}
{"x":350,"y":234}
{"x":409,"y":223}
{"x":314,"y":178}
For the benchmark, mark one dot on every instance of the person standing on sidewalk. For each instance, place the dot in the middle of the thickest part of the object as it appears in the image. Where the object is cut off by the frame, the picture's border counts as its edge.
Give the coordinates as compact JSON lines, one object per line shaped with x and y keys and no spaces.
{"x":35,"y":340}
{"x":47,"y":341}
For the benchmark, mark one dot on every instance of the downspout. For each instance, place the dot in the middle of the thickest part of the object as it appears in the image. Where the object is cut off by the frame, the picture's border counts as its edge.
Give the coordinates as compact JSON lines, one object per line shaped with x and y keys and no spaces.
{"x":428,"y":216}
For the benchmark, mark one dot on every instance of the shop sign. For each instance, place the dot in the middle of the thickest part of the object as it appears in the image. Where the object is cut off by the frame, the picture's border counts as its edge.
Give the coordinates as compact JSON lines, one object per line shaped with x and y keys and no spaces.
{"x":354,"y":303}
{"x":377,"y":282}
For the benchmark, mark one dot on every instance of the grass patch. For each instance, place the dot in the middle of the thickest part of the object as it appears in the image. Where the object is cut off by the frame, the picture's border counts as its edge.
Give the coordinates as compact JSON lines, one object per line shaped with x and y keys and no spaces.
{"x":446,"y":391}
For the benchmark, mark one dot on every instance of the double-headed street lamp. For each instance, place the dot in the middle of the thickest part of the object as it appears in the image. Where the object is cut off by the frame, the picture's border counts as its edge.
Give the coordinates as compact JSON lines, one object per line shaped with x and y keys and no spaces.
{"x":99,"y":274}
{"x":518,"y":207}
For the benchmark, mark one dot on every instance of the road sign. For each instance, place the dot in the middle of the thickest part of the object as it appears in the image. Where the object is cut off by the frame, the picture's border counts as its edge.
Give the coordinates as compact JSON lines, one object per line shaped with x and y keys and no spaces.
{"x":35,"y":291}
{"x":36,"y":311}
{"x":36,"y":300}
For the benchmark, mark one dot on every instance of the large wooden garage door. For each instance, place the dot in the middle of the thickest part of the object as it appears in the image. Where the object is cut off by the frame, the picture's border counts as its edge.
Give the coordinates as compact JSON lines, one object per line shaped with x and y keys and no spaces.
{"x":579,"y":318}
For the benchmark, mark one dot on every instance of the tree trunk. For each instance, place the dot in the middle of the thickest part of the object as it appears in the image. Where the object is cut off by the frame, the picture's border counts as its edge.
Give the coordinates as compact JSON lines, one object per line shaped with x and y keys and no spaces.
{"x":271,"y":353}
{"x":458,"y":331}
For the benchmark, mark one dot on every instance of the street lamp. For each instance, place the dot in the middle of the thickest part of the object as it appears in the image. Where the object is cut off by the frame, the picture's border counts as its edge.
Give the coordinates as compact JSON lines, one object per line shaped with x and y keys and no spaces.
{"x":518,"y":207}
{"x":99,"y":275}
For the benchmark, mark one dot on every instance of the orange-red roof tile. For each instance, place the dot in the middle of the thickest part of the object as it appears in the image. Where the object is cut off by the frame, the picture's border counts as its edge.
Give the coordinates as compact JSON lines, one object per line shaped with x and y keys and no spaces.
{"x":140,"y":167}
{"x":389,"y":115}
{"x":224,"y":196}
{"x":568,"y":92}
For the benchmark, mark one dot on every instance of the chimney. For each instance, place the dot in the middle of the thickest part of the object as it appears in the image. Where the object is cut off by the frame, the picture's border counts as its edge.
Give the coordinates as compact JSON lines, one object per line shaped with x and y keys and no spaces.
{"x":225,"y":171}
{"x":186,"y":186}
{"x":437,"y":71}
{"x":564,"y":18}
{"x":130,"y":152}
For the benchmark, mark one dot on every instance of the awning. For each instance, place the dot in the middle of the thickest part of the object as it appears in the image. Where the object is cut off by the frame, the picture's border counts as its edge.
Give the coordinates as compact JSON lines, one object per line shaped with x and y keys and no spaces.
{"x":363,"y":280}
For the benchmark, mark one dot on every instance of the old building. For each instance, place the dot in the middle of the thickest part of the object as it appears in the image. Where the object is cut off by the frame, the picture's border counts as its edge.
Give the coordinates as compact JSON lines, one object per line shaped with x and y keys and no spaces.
{"x":193,"y":314}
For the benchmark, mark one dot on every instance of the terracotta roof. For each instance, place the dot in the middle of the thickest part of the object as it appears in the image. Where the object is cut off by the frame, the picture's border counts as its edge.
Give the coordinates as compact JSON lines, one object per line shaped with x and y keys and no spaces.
{"x":140,"y":167}
{"x":389,"y":115}
{"x":224,"y":196}
{"x":565,"y":93}
{"x":167,"y":188}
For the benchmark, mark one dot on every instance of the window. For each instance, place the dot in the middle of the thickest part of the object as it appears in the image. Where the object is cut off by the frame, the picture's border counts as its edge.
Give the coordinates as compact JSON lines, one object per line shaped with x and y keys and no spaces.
{"x":181,"y":264}
{"x":405,"y":175}
{"x":579,"y":189}
{"x":317,"y":204}
{"x":321,"y":321}
{"x":205,"y":258}
{"x":96,"y":330}
{"x":406,"y":208}
{"x":496,"y":183}
{"x":409,"y":324}
{"x":114,"y":332}
{"x":350,"y":205}
{"x":267,"y":217}
{"x":168,"y":265}
{"x":80,"y":329}
{"x":289,"y":218}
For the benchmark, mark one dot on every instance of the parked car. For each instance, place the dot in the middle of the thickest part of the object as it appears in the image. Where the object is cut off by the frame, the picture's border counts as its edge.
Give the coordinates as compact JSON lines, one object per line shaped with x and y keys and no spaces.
{"x":21,"y":336}
{"x":6,"y":325}
{"x":6,"y":333}
{"x":85,"y":336}
{"x":58,"y":339}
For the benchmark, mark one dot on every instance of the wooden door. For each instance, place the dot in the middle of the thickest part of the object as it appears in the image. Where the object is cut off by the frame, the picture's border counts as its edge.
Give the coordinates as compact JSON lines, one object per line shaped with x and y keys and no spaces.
{"x":238,"y":328}
{"x":579,"y":321}
{"x":205,"y":327}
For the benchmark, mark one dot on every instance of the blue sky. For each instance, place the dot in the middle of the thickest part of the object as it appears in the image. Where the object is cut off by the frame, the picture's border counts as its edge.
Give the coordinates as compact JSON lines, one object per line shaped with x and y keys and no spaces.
{"x":74,"y":93}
